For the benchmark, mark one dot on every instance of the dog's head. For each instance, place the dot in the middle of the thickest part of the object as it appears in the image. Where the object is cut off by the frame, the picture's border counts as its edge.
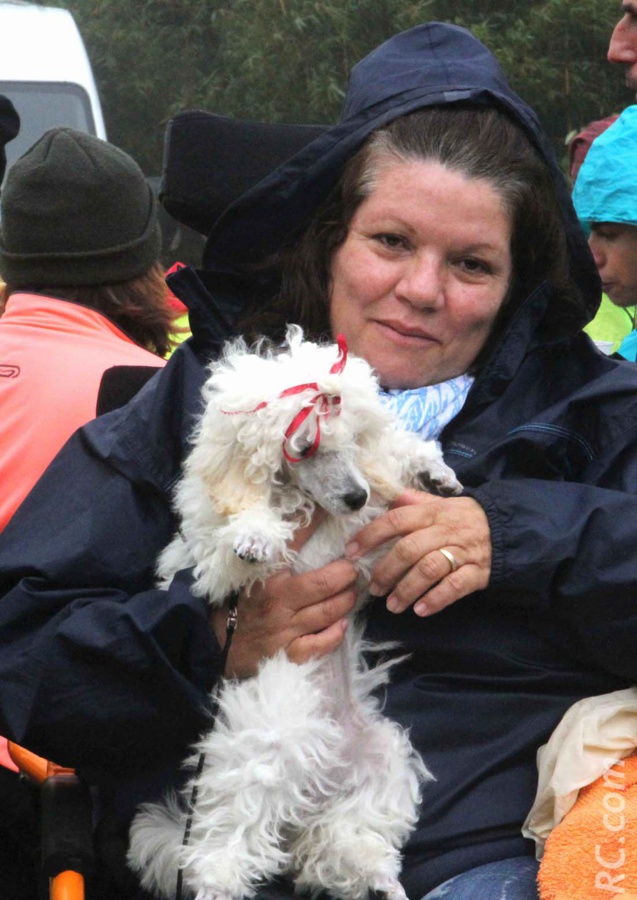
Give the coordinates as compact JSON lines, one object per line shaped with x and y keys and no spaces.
{"x":302,"y":414}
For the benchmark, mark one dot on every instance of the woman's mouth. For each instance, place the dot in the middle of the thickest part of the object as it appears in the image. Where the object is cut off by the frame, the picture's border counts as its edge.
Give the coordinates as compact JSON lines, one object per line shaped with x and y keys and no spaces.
{"x":402,"y":331}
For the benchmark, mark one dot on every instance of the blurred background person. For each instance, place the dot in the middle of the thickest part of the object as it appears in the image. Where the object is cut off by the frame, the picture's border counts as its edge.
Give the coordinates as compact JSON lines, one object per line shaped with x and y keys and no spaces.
{"x":623,"y":43}
{"x":9,"y":128}
{"x":86,"y":318}
{"x":85,"y":323}
{"x":605,"y":197}
{"x":611,"y":323}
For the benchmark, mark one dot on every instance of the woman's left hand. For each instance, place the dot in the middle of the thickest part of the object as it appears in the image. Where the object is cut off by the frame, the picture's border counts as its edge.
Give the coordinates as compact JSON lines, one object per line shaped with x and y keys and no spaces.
{"x":414,"y":572}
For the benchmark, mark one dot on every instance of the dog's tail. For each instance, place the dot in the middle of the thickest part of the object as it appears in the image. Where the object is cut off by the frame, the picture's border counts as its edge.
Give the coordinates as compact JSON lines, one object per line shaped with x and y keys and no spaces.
{"x":156,"y":843}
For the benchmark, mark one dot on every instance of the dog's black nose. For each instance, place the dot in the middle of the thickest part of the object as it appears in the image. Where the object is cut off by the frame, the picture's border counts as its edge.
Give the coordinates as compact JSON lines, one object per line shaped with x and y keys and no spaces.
{"x":355,"y":499}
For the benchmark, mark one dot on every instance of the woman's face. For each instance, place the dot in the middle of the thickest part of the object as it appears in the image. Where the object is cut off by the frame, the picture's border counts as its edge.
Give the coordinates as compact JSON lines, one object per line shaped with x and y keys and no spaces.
{"x":422,"y":273}
{"x":614,"y":247}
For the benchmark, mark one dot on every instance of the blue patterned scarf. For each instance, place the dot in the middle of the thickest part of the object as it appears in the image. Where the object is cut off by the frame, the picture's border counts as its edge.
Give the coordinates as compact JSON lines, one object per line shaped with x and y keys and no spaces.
{"x":428,"y":409}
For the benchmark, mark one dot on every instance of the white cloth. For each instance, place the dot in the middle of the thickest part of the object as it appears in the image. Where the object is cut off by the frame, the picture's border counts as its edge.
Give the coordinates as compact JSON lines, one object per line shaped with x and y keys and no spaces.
{"x":593,"y":735}
{"x":428,"y":409}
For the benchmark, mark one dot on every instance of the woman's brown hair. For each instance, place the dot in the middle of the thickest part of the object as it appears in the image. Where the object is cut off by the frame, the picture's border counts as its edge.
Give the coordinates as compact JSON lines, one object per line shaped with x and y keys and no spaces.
{"x":139,"y":306}
{"x":479,"y":142}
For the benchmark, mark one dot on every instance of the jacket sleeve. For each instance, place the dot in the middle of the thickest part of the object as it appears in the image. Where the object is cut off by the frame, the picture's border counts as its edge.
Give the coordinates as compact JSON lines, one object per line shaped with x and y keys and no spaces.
{"x":97,"y":666}
{"x":569,"y":550}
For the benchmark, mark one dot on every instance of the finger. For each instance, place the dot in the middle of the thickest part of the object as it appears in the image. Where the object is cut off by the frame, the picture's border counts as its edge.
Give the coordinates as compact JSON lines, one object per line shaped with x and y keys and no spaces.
{"x":427,"y":571}
{"x":395,"y":522}
{"x":416,"y":551}
{"x":455,"y":586}
{"x":324,"y":642}
{"x":292,"y":593}
{"x":312,"y":587}
{"x":409,"y":497}
{"x":323,"y":615}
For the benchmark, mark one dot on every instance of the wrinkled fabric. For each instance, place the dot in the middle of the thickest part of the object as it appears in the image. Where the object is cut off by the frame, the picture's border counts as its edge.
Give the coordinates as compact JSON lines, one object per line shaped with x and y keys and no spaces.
{"x":628,"y":347}
{"x":593,"y":735}
{"x":606,"y":186}
{"x":427,"y":410}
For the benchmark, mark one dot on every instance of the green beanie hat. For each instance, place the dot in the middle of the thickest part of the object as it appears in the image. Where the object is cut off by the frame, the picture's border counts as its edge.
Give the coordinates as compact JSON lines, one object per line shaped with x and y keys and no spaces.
{"x":75,"y":211}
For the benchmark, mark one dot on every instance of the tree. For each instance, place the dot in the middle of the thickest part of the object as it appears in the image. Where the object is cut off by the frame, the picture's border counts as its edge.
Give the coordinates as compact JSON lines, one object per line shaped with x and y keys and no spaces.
{"x":288,"y":60}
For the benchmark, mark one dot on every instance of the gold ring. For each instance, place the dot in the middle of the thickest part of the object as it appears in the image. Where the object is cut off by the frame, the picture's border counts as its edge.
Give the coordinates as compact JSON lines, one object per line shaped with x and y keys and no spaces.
{"x":451,"y":559}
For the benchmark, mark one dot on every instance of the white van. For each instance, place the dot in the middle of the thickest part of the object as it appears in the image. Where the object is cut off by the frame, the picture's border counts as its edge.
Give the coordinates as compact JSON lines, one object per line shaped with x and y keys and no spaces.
{"x":46,"y":73}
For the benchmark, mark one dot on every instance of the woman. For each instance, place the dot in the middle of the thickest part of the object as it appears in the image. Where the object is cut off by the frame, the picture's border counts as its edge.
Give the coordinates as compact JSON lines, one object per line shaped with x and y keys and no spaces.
{"x":433,"y":227}
{"x":605,"y":197}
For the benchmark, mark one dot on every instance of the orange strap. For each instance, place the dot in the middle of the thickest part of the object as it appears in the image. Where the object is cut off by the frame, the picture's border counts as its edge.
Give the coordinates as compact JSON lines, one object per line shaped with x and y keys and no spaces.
{"x":67,"y":886}
{"x":37,"y":768}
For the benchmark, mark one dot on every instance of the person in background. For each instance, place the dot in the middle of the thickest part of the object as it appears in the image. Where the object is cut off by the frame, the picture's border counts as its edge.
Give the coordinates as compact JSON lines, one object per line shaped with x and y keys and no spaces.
{"x":17,"y":816}
{"x":605,"y":198}
{"x":9,"y":128}
{"x":623,"y":43}
{"x":85,"y":322}
{"x":579,"y":145}
{"x":611,"y":323}
{"x":86,"y":317}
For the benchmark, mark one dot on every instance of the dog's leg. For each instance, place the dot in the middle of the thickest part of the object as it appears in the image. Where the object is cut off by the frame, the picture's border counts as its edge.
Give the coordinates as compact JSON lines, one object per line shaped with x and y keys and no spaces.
{"x":352,"y":845}
{"x":267,"y":760}
{"x":252,"y":544}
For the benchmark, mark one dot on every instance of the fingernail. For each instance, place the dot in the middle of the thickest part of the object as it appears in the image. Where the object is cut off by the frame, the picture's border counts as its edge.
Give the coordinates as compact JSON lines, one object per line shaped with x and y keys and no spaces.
{"x":352,"y":550}
{"x":421,"y":609}
{"x":374,"y":589}
{"x":392,"y":604}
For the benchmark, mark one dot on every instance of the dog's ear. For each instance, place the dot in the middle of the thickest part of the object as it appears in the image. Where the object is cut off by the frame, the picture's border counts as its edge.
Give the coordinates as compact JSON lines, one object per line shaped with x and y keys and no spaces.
{"x":230,"y":491}
{"x":232,"y":474}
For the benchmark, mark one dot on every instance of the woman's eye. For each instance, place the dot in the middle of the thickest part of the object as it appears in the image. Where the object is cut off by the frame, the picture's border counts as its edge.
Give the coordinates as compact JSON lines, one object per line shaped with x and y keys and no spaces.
{"x":391,"y":241}
{"x":606,"y":232}
{"x":476,"y":266}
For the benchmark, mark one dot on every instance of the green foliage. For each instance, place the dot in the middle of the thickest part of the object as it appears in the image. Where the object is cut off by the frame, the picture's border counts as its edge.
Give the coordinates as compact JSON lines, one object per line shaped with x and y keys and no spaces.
{"x":288,"y":60}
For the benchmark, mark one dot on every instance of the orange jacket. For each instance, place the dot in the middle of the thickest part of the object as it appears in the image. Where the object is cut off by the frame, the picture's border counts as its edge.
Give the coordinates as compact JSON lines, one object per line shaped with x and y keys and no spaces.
{"x":53,"y":354}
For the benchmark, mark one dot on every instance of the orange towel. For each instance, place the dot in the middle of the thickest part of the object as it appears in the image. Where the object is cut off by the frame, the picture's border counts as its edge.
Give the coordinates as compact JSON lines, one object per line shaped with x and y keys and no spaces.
{"x":592,"y":853}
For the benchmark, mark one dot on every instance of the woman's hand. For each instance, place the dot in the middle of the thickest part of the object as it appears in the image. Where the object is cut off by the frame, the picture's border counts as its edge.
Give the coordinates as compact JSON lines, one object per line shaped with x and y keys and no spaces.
{"x":414,"y":572}
{"x":302,"y":614}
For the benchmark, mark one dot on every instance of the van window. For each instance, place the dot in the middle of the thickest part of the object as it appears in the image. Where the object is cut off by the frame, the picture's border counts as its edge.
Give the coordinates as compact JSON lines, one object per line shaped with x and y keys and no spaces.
{"x":44,"y":105}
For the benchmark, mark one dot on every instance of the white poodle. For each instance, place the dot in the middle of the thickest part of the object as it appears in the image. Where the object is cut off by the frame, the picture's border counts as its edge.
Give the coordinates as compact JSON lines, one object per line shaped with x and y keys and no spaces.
{"x":301,"y":773}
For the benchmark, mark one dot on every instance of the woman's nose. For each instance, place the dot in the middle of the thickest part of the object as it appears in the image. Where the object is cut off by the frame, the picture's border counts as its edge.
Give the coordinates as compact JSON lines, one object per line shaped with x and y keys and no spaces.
{"x":421,"y":283}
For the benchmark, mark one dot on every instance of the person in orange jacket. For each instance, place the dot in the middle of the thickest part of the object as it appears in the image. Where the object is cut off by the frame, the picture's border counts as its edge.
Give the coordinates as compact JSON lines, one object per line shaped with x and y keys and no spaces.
{"x":86,"y":318}
{"x":85,"y":321}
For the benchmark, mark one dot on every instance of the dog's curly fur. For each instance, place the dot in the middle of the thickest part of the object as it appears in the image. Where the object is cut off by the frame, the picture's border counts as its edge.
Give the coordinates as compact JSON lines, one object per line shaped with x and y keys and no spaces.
{"x":303,"y":774}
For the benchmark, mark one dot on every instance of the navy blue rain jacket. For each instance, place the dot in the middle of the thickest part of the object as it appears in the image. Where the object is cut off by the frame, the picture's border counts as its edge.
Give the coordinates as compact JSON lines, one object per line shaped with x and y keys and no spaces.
{"x":101,"y":671}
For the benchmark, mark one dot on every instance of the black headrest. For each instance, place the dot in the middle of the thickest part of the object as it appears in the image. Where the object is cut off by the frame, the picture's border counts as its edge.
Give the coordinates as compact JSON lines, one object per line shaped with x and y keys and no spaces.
{"x":210,"y":161}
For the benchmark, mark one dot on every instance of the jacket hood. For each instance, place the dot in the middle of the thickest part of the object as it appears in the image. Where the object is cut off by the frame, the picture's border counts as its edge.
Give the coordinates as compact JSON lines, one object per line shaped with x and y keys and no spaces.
{"x":606,"y":186}
{"x":429,"y":65}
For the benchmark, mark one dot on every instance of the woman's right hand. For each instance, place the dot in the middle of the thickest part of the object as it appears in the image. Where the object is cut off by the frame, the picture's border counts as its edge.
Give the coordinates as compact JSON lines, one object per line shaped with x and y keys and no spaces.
{"x":301,"y":614}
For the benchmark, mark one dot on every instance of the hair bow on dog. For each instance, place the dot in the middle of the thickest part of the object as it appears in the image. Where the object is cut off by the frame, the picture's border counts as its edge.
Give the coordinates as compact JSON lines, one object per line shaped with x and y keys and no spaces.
{"x":322,"y":404}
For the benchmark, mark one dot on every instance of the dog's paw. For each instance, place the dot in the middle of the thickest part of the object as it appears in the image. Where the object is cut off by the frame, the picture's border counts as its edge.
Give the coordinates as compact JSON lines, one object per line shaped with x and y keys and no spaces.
{"x":253,"y":548}
{"x":438,"y":478}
